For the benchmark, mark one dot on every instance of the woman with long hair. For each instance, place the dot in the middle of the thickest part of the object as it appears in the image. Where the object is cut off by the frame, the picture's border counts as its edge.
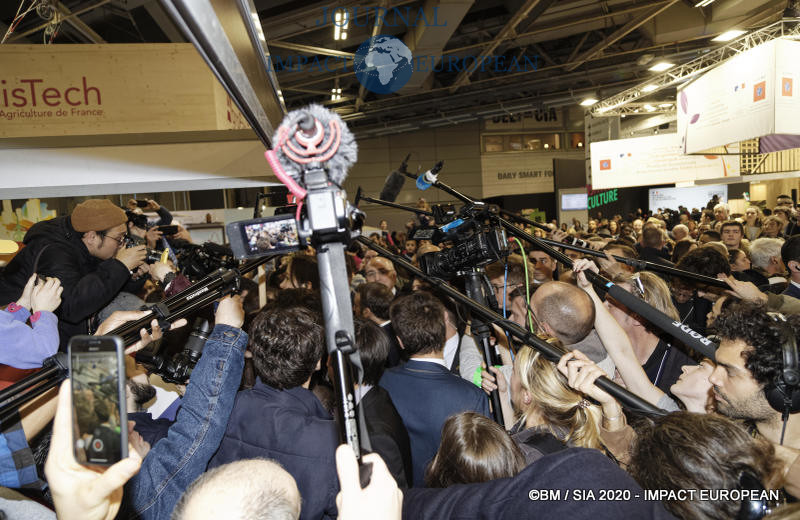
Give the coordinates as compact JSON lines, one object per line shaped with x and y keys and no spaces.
{"x":752,"y":222}
{"x":547,"y":414}
{"x":473,"y":449}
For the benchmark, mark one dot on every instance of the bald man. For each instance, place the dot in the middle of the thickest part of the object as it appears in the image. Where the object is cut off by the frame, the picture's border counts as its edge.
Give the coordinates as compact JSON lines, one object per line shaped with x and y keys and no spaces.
{"x":241,"y":490}
{"x":567,"y":313}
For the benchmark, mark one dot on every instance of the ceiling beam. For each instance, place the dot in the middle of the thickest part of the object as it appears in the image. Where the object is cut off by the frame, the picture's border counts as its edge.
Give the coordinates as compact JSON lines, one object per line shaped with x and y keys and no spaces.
{"x":78,"y":24}
{"x":376,"y":30}
{"x":164,"y":22}
{"x":544,"y":55}
{"x":632,"y":25}
{"x":309,"y":49}
{"x":508,"y":31}
{"x":22,"y":35}
{"x":578,"y":47}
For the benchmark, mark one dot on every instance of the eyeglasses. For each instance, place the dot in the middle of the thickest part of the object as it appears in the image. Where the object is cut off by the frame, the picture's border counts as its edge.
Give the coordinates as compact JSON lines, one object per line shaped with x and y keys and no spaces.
{"x":119,"y":240}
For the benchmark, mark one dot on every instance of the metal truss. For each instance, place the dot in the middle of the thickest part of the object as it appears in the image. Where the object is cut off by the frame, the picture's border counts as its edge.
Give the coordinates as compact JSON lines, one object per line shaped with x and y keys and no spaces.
{"x":614,"y":105}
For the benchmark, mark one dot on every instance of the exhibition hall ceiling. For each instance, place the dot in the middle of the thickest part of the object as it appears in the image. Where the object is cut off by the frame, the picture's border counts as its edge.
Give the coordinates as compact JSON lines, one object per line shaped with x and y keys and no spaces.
{"x":468,"y":59}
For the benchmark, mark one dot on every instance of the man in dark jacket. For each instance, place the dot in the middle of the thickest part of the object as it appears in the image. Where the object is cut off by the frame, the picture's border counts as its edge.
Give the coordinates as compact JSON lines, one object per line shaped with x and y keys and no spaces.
{"x":423,"y":390}
{"x":84,"y":251}
{"x":279,"y":418}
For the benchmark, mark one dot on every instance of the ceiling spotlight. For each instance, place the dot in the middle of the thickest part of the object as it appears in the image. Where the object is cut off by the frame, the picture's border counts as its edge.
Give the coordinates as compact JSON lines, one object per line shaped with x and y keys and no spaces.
{"x":661,"y":66}
{"x":649,"y":88}
{"x":665,"y":105}
{"x":644,"y":59}
{"x":649,"y":108}
{"x":703,"y":3}
{"x":728,"y":35}
{"x":588,"y":102}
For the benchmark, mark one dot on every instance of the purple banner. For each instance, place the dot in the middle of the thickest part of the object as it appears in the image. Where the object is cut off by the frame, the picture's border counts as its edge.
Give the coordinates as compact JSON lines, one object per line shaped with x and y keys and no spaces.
{"x":778,"y":142}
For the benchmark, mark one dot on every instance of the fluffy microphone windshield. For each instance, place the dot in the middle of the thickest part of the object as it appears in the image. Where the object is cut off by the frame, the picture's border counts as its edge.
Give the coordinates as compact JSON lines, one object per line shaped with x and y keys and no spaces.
{"x":315,"y":137}
{"x":394,"y":182}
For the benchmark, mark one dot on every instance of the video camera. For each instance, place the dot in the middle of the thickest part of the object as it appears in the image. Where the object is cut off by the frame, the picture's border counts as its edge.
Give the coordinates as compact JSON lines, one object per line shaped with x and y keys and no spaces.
{"x":475,"y":239}
{"x":197,"y":261}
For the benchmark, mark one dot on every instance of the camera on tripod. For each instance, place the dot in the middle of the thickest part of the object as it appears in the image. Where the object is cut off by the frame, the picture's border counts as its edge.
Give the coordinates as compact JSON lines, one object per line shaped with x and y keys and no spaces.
{"x":476,"y":240}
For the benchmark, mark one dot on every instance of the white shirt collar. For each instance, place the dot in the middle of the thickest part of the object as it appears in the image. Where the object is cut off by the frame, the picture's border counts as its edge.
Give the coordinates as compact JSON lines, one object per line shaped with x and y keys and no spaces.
{"x":361,"y":391}
{"x":450,"y":347}
{"x":437,"y":361}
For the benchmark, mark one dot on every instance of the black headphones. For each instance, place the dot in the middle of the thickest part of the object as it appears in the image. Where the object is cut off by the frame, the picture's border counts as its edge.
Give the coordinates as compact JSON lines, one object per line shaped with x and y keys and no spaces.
{"x":783,"y":394}
{"x":752,"y":508}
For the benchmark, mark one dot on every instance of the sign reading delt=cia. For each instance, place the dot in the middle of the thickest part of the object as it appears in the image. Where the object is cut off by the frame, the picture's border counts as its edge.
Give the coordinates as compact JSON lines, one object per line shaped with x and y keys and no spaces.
{"x":57,"y":90}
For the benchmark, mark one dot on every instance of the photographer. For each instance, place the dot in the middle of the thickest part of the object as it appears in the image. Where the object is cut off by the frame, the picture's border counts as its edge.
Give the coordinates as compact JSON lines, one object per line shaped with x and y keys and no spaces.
{"x":83,"y":250}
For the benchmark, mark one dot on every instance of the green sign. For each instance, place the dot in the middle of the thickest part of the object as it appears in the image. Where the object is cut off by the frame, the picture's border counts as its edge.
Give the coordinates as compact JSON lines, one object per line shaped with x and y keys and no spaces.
{"x":603,"y":197}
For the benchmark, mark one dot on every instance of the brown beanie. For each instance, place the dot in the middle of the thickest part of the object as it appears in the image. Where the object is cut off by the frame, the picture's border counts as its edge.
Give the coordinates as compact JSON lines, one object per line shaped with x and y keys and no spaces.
{"x":97,"y":215}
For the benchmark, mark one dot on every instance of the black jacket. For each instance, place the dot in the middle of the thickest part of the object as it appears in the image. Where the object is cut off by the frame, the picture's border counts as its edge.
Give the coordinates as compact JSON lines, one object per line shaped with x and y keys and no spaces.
{"x":291,"y":427}
{"x":387,"y":434}
{"x":89,"y":283}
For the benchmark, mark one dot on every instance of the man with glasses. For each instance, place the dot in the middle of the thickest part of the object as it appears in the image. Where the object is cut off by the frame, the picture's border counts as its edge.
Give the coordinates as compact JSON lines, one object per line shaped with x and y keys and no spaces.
{"x":85,"y":251}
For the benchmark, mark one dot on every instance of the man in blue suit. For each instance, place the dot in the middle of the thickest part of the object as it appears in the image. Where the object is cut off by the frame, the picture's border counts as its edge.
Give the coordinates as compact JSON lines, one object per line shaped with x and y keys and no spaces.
{"x":790,"y":252}
{"x":423,"y":389}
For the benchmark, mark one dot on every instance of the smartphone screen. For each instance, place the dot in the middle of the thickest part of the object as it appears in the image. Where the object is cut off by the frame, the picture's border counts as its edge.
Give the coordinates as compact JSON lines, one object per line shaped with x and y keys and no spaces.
{"x":100,"y":426}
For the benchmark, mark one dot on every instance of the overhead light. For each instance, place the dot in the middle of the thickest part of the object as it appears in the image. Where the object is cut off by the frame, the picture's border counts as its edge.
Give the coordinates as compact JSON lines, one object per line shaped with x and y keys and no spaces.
{"x":649,"y":88}
{"x":728,"y":35}
{"x":665,"y":105}
{"x":336,"y":94}
{"x":703,"y":3}
{"x":661,"y":66}
{"x":649,"y":108}
{"x":546,"y":146}
{"x":588,"y":102}
{"x":340,"y":25}
{"x":580,"y":144}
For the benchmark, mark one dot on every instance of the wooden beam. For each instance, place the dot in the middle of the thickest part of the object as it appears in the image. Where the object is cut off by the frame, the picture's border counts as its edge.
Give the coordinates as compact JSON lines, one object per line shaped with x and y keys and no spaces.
{"x":620,"y":33}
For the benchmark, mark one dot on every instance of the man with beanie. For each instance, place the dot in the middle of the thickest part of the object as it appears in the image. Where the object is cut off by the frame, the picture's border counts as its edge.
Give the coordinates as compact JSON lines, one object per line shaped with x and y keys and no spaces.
{"x":83,"y":250}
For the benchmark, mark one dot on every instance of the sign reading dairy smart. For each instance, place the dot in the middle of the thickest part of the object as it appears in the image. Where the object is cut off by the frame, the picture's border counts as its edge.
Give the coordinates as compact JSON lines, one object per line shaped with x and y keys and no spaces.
{"x":656,"y":159}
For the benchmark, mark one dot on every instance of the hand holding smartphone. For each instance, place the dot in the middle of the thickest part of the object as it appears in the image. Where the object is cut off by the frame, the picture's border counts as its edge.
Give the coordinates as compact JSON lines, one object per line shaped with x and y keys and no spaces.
{"x":100,"y":420}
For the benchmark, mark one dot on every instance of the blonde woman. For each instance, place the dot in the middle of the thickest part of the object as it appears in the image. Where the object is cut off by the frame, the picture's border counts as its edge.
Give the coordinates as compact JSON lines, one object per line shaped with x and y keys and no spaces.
{"x":547,"y":414}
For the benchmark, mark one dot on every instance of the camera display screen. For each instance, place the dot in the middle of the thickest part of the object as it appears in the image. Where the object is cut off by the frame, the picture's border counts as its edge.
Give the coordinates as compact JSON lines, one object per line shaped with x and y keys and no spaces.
{"x":95,"y":402}
{"x":262,"y":237}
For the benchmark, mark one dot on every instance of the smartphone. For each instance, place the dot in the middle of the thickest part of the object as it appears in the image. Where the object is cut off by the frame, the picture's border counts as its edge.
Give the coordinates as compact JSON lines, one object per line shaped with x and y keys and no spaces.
{"x":99,"y":418}
{"x":262,"y":236}
{"x":168,"y":230}
{"x":142,"y":203}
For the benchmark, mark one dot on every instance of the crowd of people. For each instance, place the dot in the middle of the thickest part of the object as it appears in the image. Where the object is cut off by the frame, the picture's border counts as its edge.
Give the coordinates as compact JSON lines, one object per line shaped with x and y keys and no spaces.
{"x":254,"y":433}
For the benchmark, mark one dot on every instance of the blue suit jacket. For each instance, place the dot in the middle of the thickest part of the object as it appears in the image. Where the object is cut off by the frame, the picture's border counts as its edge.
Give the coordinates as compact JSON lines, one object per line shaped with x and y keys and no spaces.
{"x":792,"y":290}
{"x":425,"y":395}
